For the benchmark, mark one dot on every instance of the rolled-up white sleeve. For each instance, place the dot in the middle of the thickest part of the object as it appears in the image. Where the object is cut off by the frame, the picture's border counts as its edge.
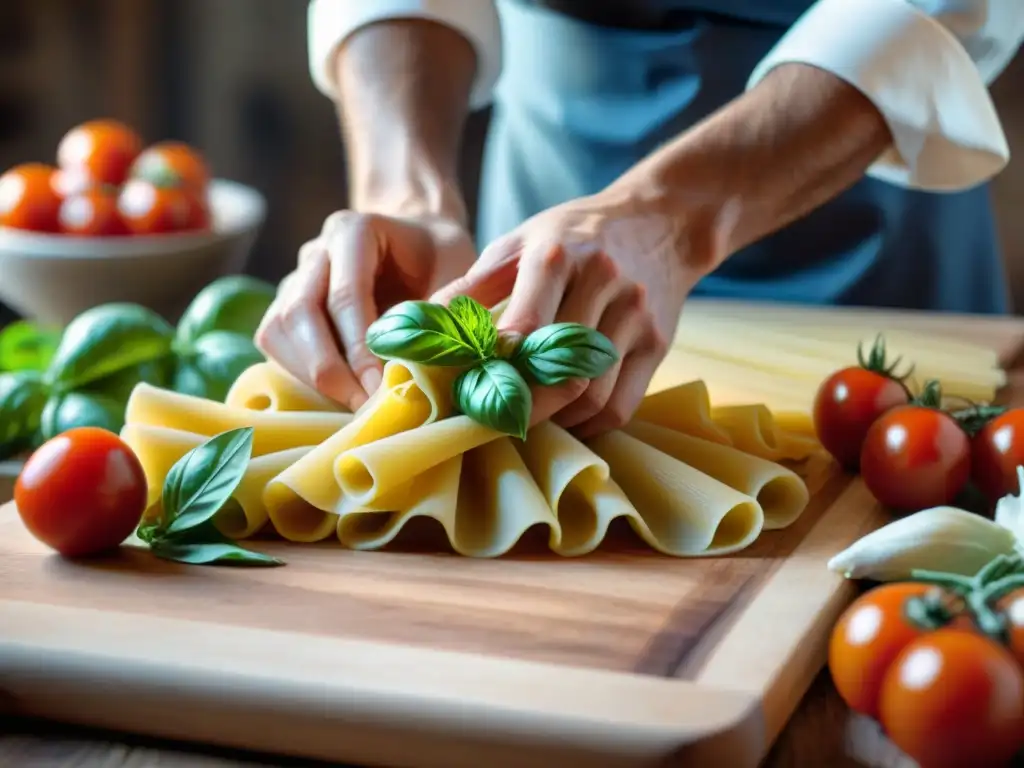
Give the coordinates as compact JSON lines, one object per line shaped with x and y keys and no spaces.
{"x":926,"y":66}
{"x":332,"y":21}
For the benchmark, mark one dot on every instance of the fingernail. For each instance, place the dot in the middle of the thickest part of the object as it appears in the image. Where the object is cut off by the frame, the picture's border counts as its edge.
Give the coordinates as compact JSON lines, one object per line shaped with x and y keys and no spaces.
{"x":370,"y":380}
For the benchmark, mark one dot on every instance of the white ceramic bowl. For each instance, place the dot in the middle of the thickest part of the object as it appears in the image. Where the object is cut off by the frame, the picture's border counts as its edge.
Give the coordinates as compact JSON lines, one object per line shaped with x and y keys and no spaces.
{"x":53,"y":278}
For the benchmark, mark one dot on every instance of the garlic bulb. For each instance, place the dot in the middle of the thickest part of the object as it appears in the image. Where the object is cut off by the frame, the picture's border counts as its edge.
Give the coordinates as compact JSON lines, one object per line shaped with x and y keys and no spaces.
{"x":939,"y":539}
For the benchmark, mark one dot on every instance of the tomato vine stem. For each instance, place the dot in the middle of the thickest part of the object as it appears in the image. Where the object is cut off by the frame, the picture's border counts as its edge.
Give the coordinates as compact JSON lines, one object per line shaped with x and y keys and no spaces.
{"x":876,"y":361}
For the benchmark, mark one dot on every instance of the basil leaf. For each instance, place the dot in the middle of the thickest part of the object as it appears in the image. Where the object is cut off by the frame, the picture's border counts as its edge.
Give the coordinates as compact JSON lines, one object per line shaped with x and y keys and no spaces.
{"x":27,"y":347}
{"x":118,"y":386}
{"x":562,"y":351}
{"x":22,"y":399}
{"x":494,"y":394}
{"x":213,"y":364}
{"x":236,"y":303}
{"x":420,"y":332}
{"x":220,"y":553}
{"x":107,"y":339}
{"x":476,"y":323}
{"x":67,"y":410}
{"x":202,"y":481}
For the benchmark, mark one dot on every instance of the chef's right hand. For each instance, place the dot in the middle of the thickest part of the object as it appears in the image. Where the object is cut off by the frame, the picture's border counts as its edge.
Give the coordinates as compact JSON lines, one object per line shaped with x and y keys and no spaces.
{"x":360,"y":265}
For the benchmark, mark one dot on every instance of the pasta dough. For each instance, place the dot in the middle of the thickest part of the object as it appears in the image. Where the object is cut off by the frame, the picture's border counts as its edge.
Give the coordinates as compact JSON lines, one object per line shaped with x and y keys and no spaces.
{"x":684,"y":478}
{"x":266,"y":387}
{"x":272,"y":430}
{"x":159,"y":448}
{"x":780,"y":491}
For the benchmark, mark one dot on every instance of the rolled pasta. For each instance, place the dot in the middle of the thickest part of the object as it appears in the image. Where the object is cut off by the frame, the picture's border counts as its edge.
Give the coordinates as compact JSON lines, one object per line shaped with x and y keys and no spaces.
{"x":268,"y":387}
{"x":159,"y":448}
{"x":273,"y":431}
{"x":753,"y":430}
{"x":783,"y":496}
{"x":684,"y":408}
{"x":688,"y":512}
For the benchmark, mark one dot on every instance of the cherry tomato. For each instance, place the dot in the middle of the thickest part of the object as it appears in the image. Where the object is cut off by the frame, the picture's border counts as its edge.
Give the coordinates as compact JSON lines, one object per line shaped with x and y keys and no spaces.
{"x":867,"y":639}
{"x":102,"y":149}
{"x":172,"y":164}
{"x":1012,"y":607}
{"x":92,"y":213}
{"x":954,"y":698}
{"x":915,"y":457}
{"x":996,"y":452}
{"x":199,"y":217}
{"x":847,"y":404}
{"x":28,"y":199}
{"x":151,"y":210}
{"x":82,"y":492}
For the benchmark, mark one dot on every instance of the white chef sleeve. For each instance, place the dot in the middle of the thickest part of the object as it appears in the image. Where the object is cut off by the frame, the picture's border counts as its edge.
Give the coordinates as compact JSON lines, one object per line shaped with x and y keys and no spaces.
{"x":926,"y":65}
{"x":332,"y":21}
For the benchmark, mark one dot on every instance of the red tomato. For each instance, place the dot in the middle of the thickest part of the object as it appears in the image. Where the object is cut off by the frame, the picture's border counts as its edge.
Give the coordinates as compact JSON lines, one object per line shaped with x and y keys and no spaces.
{"x":915,"y":457}
{"x":867,"y":639}
{"x":1012,"y":607}
{"x":102,"y":149}
{"x":28,"y":199}
{"x":151,"y":210}
{"x":82,"y":493}
{"x":954,"y":698}
{"x":92,"y":213}
{"x":996,"y":452}
{"x":172,"y":164}
{"x":847,"y":404}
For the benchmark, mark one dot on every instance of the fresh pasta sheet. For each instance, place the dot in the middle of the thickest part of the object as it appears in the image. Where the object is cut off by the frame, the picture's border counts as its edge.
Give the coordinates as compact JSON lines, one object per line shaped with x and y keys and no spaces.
{"x":690,"y":479}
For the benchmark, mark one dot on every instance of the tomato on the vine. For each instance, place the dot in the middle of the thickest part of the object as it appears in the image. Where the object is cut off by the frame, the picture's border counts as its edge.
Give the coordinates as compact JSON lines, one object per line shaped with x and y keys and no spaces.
{"x":28,"y":198}
{"x":954,"y":698}
{"x":850,"y":400}
{"x":82,"y":493}
{"x":996,"y":451}
{"x":867,"y":639}
{"x":916,"y":456}
{"x":102,"y":150}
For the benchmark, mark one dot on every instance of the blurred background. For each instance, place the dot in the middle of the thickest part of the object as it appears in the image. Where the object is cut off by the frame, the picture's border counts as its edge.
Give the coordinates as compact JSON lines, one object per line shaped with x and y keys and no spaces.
{"x":231,"y":78}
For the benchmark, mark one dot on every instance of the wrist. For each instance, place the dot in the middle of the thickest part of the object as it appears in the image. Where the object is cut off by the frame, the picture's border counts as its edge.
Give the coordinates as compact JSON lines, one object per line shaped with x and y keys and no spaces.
{"x":408,"y":190}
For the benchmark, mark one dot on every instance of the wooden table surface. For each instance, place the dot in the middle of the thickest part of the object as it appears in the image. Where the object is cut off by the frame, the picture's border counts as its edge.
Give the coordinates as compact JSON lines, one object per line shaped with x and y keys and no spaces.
{"x":821,"y":733}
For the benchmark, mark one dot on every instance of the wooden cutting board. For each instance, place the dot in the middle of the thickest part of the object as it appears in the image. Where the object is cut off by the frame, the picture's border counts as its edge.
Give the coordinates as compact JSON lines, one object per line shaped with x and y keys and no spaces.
{"x":412,"y":657}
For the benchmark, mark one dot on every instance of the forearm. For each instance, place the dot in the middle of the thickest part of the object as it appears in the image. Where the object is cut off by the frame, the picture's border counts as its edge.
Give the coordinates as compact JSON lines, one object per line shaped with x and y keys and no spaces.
{"x":793,"y":142}
{"x":403,"y":89}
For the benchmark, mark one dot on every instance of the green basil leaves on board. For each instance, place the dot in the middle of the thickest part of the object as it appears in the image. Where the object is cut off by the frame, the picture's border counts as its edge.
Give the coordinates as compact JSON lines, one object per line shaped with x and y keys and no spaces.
{"x":198,"y":486}
{"x":556,"y":353}
{"x":25,"y":346}
{"x":211,"y":365}
{"x":69,"y":410}
{"x":422,"y":332}
{"x":107,"y":339}
{"x":22,"y":397}
{"x":494,"y":388}
{"x":494,"y":394}
{"x":235,"y":303}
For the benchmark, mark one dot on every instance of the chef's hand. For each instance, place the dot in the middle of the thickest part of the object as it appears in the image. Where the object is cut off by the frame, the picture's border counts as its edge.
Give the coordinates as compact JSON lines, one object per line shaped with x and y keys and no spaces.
{"x":608,"y":262}
{"x":359,"y":266}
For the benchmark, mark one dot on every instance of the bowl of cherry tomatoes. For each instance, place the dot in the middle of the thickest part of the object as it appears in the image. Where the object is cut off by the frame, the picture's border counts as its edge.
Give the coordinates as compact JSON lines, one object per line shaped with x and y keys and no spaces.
{"x":116,"y":220}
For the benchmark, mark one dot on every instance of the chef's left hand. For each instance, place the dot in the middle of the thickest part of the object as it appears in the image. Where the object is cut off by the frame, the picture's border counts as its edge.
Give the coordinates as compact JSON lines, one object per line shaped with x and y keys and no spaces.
{"x":611,"y":262}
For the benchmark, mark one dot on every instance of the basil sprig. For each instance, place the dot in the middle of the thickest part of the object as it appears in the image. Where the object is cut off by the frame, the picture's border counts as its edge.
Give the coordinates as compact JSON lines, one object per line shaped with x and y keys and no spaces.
{"x":494,"y":389}
{"x":200,"y":485}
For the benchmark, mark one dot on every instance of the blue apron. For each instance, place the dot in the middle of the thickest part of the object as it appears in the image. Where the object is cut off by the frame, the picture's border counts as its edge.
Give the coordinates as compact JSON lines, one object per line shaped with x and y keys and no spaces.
{"x":578,"y":104}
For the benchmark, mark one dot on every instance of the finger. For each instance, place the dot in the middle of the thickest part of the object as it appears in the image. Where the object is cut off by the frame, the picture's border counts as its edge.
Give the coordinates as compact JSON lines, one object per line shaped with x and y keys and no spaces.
{"x":634,"y":378}
{"x":309,"y":349}
{"x":490,"y":279}
{"x":590,"y":292}
{"x":354,"y":255}
{"x":547,"y":401}
{"x":538,"y":290}
{"x":623,"y":324}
